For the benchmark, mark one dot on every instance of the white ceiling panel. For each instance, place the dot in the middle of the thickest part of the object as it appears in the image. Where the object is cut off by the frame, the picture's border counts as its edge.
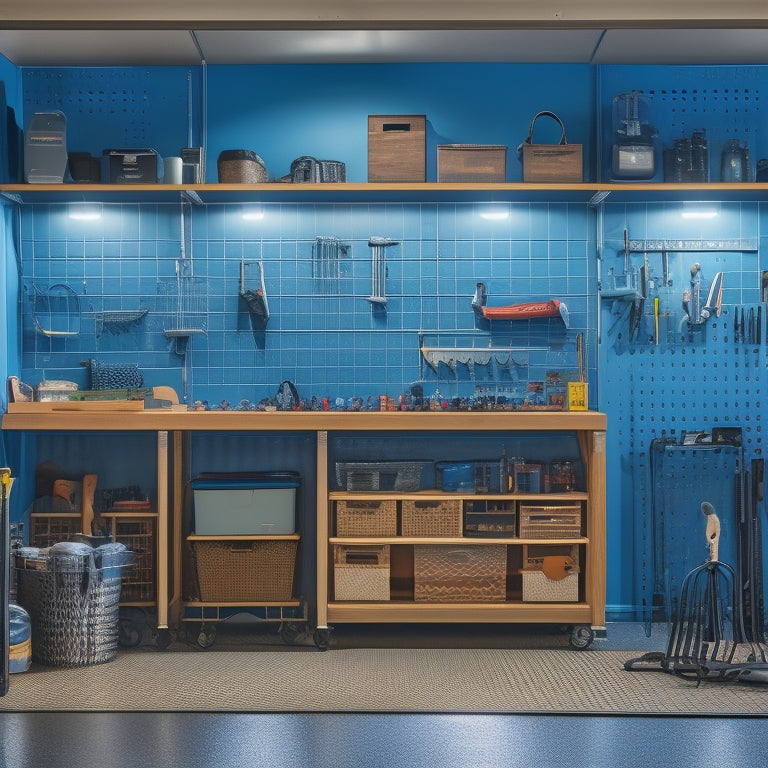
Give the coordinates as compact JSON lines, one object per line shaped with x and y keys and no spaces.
{"x":68,"y":47}
{"x":683,"y":46}
{"x":372,"y":46}
{"x":95,"y":48}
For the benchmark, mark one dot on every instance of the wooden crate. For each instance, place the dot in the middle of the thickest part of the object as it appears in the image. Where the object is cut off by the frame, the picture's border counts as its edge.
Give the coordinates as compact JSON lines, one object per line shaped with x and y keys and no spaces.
{"x":397,"y":148}
{"x":361,"y":572}
{"x":445,"y":573}
{"x":360,"y":517}
{"x":471,"y":162}
{"x":431,"y":518}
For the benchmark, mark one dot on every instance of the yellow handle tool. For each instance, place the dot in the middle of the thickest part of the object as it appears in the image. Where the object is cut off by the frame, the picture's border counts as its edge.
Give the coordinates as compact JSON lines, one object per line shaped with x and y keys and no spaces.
{"x":656,"y":318}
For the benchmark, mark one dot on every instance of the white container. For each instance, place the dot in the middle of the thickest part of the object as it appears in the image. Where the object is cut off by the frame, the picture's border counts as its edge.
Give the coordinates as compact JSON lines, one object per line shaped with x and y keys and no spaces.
{"x":244,"y":508}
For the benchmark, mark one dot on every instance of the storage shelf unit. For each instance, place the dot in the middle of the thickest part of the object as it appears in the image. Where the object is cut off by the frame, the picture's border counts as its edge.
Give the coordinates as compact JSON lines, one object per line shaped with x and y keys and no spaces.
{"x":137,"y":531}
{"x":588,"y":426}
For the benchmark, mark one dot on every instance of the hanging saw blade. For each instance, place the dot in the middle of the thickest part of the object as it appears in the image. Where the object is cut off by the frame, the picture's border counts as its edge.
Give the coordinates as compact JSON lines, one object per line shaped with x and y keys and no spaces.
{"x":714,"y":299}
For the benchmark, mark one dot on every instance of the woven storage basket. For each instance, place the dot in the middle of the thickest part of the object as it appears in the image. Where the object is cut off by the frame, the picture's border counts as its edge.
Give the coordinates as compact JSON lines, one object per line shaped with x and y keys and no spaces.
{"x":241,"y":166}
{"x":538,"y":588}
{"x":74,"y":614}
{"x":550,"y":521}
{"x":451,"y":574}
{"x":366,"y":518}
{"x":249,"y":570}
{"x":431,"y":518}
{"x":361,"y":572}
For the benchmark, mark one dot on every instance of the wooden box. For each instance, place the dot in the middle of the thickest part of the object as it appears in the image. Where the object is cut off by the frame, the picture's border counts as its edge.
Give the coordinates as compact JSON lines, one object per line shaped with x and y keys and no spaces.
{"x":454,"y":574}
{"x":361,"y":572}
{"x":397,"y":148}
{"x":471,"y":162}
{"x":552,"y":163}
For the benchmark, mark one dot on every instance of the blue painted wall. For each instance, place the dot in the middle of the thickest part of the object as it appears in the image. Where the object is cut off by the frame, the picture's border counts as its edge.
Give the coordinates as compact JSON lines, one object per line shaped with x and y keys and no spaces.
{"x":324,"y":334}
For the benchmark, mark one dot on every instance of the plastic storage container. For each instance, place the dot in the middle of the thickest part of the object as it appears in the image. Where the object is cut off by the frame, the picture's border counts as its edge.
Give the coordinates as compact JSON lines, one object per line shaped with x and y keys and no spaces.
{"x":257,"y":506}
{"x":19,"y":640}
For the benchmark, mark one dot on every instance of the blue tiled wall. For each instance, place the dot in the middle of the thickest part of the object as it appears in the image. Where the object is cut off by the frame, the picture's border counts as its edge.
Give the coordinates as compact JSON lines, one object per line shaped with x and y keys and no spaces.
{"x":323,"y":334}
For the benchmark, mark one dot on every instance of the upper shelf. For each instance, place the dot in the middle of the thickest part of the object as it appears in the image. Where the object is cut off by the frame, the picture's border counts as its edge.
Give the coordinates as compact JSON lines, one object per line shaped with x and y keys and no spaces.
{"x":202,"y":194}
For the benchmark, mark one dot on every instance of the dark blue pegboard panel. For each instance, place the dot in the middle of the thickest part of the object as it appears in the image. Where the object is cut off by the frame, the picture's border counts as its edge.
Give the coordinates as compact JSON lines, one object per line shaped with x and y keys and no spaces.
{"x":726,"y":102}
{"x":118,"y":107}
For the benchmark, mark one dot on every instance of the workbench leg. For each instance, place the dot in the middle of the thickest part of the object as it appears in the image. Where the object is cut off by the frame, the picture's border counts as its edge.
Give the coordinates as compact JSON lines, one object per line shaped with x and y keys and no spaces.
{"x":162,"y":536}
{"x":322,"y":529}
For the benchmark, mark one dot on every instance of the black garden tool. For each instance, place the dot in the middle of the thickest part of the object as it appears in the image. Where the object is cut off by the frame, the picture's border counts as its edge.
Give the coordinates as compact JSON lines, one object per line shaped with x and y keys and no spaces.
{"x":707,"y":641}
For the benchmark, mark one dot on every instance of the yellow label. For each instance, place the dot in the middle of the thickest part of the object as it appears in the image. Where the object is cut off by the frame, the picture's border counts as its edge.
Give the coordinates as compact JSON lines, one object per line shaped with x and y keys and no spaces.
{"x":577,"y":396}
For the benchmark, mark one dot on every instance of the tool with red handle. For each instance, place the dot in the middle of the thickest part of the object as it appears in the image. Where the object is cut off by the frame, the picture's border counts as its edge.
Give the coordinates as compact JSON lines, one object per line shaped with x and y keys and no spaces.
{"x":526,"y":311}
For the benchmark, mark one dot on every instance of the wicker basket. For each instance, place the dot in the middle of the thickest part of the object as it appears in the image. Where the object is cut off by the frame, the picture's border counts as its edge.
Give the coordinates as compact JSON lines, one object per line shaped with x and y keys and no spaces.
{"x":537,"y":588}
{"x":246,"y":570}
{"x":431,"y":518}
{"x":73,"y":611}
{"x":241,"y":166}
{"x":366,"y":518}
{"x":361,"y":572}
{"x":550,"y":521}
{"x":450,"y":574}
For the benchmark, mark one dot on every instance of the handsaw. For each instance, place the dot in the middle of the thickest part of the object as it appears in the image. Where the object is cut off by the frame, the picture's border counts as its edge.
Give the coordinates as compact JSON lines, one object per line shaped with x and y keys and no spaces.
{"x":524,"y":311}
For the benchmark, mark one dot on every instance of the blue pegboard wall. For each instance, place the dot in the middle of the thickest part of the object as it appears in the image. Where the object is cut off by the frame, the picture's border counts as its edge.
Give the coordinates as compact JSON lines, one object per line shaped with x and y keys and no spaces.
{"x":693,"y":379}
{"x":119,"y":107}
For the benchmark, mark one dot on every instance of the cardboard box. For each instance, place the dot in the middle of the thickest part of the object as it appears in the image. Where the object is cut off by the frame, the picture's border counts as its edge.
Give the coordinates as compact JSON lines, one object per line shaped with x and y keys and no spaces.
{"x":471,"y":162}
{"x":397,"y":148}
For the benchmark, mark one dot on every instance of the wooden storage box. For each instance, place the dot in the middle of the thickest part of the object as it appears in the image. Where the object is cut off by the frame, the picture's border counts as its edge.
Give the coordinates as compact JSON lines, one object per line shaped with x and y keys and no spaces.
{"x":554,"y":521}
{"x":366,"y":518}
{"x":361,"y":572}
{"x":551,"y":163}
{"x":454,"y":574}
{"x":246,"y":569}
{"x":471,"y":162}
{"x":431,"y":518}
{"x":397,"y":148}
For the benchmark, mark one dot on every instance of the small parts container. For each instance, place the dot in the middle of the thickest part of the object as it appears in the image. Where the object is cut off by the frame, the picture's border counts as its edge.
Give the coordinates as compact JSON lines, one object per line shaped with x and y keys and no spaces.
{"x":129,"y":166}
{"x":550,"y":521}
{"x":379,"y":475}
{"x":455,"y":574}
{"x":245,"y":570}
{"x":490,"y":519}
{"x":55,"y":391}
{"x":361,"y":572}
{"x":431,"y":518}
{"x":366,"y":518}
{"x":256,"y":505}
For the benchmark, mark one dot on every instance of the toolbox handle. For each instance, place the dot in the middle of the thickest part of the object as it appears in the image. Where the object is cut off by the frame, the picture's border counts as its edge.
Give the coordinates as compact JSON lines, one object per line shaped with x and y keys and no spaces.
{"x":386,"y":127}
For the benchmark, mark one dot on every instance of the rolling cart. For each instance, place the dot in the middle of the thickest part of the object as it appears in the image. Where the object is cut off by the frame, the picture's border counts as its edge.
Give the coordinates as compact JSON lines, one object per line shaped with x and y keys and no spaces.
{"x":245,"y":549}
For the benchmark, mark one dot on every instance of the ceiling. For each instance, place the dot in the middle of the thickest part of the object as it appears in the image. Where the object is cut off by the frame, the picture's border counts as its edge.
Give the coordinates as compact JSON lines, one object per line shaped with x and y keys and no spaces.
{"x":150,"y":47}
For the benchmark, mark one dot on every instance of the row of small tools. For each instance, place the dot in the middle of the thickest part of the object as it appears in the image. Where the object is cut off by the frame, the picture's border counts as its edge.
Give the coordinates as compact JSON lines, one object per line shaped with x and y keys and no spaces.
{"x":747,"y":325}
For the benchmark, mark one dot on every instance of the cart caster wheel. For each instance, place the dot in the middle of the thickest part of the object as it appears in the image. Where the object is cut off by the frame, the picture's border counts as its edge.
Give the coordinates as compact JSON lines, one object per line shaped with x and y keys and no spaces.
{"x":290,"y":632}
{"x":207,"y":636}
{"x":129,"y":634}
{"x":163,"y":638}
{"x":322,"y":638}
{"x":581,"y":638}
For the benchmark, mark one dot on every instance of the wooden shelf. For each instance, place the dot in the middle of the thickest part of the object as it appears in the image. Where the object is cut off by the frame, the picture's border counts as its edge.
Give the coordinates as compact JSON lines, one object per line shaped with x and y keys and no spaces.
{"x":435,"y":495}
{"x":449,"y":540}
{"x":507,"y":612}
{"x":312,"y":421}
{"x":403,"y":192}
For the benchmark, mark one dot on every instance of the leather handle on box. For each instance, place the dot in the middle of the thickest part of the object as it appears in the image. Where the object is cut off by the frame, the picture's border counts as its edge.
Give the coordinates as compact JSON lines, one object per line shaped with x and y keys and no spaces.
{"x":544,"y":113}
